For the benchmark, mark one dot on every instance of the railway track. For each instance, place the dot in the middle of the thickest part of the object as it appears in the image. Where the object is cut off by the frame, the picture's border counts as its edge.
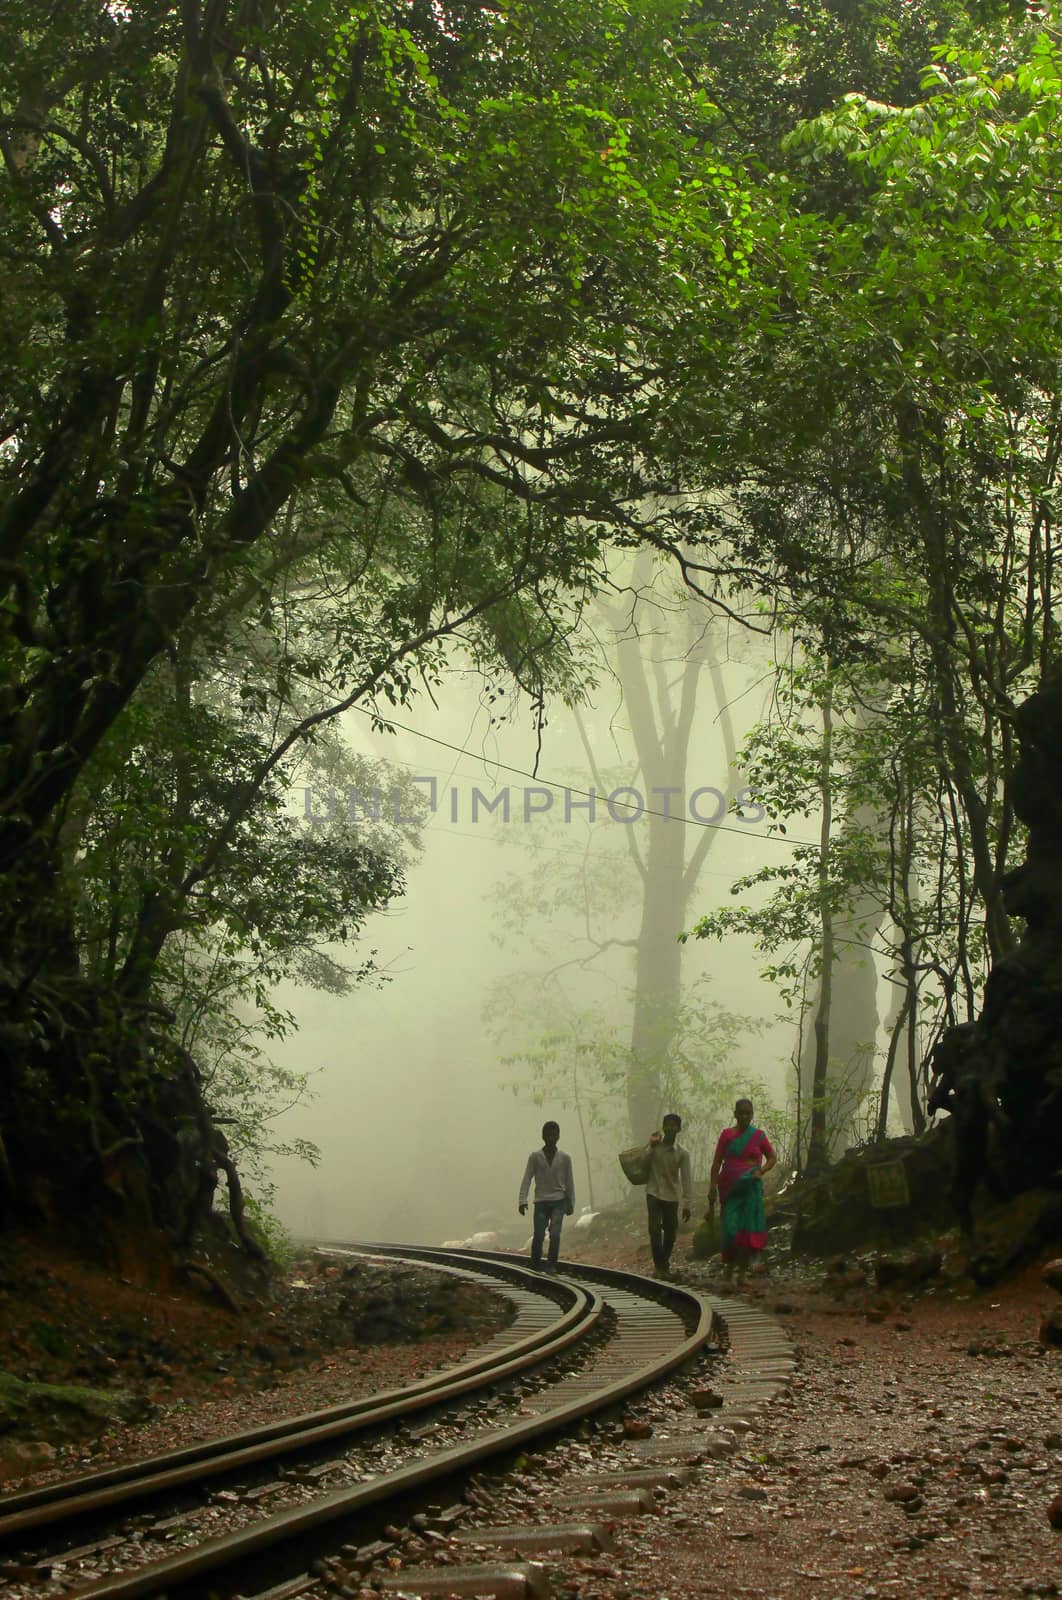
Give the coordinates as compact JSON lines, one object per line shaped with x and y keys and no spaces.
{"x":293,"y":1493}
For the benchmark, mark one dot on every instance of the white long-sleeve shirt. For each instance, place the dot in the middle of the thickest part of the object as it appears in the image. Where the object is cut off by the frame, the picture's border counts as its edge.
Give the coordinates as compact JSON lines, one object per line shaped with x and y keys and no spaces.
{"x":669,"y":1169}
{"x":553,"y":1179}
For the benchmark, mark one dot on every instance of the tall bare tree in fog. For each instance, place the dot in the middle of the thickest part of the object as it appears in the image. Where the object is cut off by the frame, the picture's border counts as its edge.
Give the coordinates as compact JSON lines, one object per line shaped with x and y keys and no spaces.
{"x":651,"y":1040}
{"x":662,"y":694}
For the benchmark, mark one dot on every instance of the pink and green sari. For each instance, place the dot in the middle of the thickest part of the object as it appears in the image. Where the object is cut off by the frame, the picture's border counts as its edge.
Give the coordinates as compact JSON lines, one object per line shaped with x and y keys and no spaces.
{"x":741,"y":1196}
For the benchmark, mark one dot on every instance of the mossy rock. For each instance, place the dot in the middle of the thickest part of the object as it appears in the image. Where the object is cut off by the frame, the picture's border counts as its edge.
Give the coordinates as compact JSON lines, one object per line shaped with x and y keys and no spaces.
{"x":52,"y":1340}
{"x":707,"y":1240}
{"x":1010,"y":1235}
{"x":63,"y":1411}
{"x":847,"y":1207}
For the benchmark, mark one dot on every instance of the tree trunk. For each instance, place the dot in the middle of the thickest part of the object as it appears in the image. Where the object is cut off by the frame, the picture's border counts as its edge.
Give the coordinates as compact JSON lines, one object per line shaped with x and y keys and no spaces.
{"x":854,"y":1024}
{"x":662,"y":717}
{"x":658,"y":974}
{"x":818,"y":1145}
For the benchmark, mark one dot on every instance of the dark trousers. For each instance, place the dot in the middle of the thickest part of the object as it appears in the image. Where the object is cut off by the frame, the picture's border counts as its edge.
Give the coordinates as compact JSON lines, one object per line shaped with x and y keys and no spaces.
{"x":663,"y":1228}
{"x":548,"y":1214}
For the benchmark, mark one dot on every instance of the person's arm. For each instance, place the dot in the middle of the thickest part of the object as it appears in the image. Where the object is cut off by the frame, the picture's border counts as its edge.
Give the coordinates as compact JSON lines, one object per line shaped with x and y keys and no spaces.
{"x":525,"y":1187}
{"x":713,"y":1176}
{"x":771,"y":1160}
{"x":686,"y":1177}
{"x":569,"y":1186}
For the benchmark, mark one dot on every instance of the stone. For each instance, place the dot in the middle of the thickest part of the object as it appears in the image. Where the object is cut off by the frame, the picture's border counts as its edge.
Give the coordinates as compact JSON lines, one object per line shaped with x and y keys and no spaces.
{"x":19,"y":1456}
{"x":1051,"y":1273}
{"x":376,"y":1551}
{"x":65,"y":1411}
{"x":907,"y":1269}
{"x":440,"y":1521}
{"x":718,"y":1449}
{"x":836,"y":1211}
{"x":1051,"y":1330}
{"x":1054,"y":1513}
{"x":705,"y":1399}
{"x":636,"y":1428}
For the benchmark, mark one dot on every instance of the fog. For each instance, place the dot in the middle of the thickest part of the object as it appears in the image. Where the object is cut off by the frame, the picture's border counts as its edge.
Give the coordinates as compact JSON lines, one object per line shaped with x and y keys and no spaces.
{"x":421,"y":1134}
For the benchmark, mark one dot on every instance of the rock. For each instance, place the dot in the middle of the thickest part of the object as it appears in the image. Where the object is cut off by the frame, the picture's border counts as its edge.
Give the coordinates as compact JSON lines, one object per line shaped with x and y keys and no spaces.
{"x":707,"y":1240}
{"x":635,"y":1428}
{"x":993,"y":1346}
{"x":902,"y":1493}
{"x":718,"y":1449}
{"x":753,"y":1491}
{"x":17,"y":1457}
{"x":908,"y":1269}
{"x":705,"y":1399}
{"x":65,"y":1411}
{"x":1054,"y":1513}
{"x":1014,"y":1233}
{"x":1052,"y":1274}
{"x":1051,"y":1329}
{"x":836,"y":1211}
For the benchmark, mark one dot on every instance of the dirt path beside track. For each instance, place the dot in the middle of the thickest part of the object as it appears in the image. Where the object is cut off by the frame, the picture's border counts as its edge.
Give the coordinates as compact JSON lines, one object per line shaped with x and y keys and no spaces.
{"x":915,"y":1453}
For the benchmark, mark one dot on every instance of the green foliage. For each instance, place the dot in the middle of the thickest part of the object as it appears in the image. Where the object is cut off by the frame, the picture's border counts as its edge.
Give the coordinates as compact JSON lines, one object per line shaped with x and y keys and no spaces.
{"x":583,"y":1060}
{"x":333,"y":334}
{"x":309,"y":263}
{"x":279,"y":1246}
{"x":898,"y":516}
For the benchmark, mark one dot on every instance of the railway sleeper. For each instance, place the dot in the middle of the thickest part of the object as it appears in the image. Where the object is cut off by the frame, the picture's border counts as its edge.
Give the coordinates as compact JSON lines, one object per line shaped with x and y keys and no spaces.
{"x":523,"y":1580}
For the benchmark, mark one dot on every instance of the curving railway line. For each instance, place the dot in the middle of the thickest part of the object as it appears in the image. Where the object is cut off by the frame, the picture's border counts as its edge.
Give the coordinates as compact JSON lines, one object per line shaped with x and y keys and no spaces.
{"x":260,"y":1513}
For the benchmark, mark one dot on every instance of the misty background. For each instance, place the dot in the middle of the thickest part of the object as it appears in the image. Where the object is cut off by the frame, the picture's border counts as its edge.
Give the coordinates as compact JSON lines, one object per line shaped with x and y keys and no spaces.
{"x":422,"y":1122}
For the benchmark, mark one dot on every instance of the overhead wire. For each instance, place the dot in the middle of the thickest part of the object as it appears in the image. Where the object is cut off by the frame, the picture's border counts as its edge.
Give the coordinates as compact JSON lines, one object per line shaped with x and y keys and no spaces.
{"x":588,"y":794}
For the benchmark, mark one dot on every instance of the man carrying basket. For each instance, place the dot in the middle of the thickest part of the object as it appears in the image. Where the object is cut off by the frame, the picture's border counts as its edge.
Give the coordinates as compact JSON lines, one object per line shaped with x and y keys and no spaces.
{"x":669,"y":1173}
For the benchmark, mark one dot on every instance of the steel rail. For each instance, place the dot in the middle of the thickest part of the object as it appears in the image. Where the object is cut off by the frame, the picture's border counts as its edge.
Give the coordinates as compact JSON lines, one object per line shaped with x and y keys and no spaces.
{"x":190,"y":1567}
{"x":136,"y":1481}
{"x":664,"y":1290}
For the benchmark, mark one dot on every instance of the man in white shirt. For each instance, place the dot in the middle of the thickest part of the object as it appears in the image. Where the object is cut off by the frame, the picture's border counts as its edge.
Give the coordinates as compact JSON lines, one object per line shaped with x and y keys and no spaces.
{"x":551,"y":1170}
{"x":669,"y":1171}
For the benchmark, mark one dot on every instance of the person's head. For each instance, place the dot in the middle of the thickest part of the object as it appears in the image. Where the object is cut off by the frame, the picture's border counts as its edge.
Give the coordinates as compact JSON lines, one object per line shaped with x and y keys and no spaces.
{"x":743,"y":1113}
{"x":550,"y":1132}
{"x":671,"y":1126}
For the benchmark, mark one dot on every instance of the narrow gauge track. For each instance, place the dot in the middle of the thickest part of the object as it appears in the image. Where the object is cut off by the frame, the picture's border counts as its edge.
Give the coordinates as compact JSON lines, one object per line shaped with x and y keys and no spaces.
{"x":655,"y":1328}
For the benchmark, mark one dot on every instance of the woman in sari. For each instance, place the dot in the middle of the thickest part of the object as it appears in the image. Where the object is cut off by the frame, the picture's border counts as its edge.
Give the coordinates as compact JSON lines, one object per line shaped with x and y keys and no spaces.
{"x":743,"y":1156}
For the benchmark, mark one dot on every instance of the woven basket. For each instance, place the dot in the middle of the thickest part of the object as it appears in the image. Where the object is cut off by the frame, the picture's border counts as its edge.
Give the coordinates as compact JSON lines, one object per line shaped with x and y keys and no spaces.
{"x":635,"y":1164}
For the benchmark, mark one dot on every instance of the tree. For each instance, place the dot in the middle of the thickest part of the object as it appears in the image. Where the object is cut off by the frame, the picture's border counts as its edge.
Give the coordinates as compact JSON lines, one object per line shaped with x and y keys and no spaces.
{"x":313,"y":255}
{"x":918,"y":425}
{"x":286,"y":326}
{"x":850,"y":745}
{"x":656,"y":1041}
{"x":282,"y":894}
